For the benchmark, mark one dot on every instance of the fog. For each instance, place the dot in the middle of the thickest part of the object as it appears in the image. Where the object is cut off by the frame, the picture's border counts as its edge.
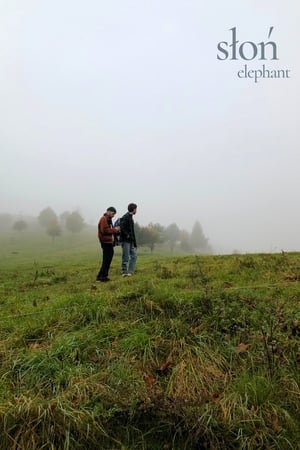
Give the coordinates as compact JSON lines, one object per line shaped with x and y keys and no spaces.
{"x":106,"y":103}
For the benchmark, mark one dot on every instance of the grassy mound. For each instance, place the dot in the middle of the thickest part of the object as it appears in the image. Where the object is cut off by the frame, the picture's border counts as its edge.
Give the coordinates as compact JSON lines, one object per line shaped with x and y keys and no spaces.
{"x":190,"y":353}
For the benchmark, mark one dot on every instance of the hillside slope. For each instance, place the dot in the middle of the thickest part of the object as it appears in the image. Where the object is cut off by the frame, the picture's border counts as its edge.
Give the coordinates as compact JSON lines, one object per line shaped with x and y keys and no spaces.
{"x":191,"y":352}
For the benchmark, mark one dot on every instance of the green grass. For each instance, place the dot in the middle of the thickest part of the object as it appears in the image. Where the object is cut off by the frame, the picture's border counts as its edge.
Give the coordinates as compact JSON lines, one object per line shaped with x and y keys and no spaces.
{"x":192,"y":352}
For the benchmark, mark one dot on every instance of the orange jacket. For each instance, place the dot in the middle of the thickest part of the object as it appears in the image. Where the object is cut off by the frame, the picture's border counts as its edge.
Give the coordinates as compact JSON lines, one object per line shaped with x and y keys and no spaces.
{"x":105,"y":230}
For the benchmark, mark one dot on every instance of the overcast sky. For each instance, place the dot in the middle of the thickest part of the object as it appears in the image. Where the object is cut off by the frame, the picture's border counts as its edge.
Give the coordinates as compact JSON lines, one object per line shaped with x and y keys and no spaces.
{"x":109,"y":102}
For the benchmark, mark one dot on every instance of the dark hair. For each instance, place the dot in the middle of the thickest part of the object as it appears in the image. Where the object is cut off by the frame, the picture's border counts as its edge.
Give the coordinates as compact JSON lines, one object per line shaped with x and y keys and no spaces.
{"x":131,"y":207}
{"x":111,"y":208}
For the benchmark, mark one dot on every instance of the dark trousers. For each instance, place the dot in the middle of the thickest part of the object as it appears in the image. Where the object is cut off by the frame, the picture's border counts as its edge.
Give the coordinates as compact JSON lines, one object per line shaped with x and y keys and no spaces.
{"x":107,"y":256}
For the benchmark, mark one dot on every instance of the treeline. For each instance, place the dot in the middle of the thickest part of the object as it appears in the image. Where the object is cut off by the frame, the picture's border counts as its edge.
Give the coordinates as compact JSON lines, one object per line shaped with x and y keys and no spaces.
{"x":173,"y":237}
{"x":150,"y":236}
{"x":52,"y":223}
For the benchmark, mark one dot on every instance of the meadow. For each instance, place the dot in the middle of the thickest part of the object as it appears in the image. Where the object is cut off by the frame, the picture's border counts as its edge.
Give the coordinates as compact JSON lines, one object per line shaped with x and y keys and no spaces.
{"x":192,"y":352}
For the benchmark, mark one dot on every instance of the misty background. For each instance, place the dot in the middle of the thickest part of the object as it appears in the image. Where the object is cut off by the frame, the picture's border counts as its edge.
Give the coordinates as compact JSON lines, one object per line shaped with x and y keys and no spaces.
{"x":106,"y":103}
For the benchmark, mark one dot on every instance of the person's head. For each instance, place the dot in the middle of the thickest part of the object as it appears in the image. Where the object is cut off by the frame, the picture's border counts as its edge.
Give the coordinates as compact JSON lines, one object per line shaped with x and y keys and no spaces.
{"x":111,"y":211}
{"x":132,"y":208}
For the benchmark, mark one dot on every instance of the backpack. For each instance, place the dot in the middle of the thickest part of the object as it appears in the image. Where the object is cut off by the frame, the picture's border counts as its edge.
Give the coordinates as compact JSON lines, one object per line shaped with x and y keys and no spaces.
{"x":117,"y":235}
{"x":117,"y":223}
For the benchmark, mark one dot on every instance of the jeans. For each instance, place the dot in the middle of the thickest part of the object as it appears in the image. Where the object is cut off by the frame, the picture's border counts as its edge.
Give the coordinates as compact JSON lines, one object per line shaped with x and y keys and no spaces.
{"x":128,"y":255}
{"x":108,"y":253}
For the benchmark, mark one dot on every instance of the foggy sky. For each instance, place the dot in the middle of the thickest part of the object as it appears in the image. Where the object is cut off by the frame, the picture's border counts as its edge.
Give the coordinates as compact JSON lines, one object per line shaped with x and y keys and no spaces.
{"x":106,"y":103}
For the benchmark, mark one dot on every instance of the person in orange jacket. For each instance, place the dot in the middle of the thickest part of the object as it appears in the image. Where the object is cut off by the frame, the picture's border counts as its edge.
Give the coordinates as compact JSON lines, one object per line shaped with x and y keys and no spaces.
{"x":106,"y":232}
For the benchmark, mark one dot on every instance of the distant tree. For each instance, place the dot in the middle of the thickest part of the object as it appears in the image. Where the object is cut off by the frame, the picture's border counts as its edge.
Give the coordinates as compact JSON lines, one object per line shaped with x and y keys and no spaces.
{"x":74,"y":222}
{"x":160,"y":229}
{"x":185,"y":244}
{"x":46,"y":217}
{"x":172,"y":235}
{"x":63,"y":216}
{"x":53,"y":229}
{"x":137,"y":232}
{"x":198,"y":241}
{"x":143,"y":236}
{"x":20,"y":225}
{"x":149,"y":236}
{"x":140,"y":234}
{"x":6,"y":221}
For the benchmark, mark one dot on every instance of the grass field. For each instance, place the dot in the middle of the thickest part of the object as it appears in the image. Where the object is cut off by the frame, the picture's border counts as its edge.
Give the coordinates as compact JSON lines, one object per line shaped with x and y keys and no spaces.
{"x":192,"y":352}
